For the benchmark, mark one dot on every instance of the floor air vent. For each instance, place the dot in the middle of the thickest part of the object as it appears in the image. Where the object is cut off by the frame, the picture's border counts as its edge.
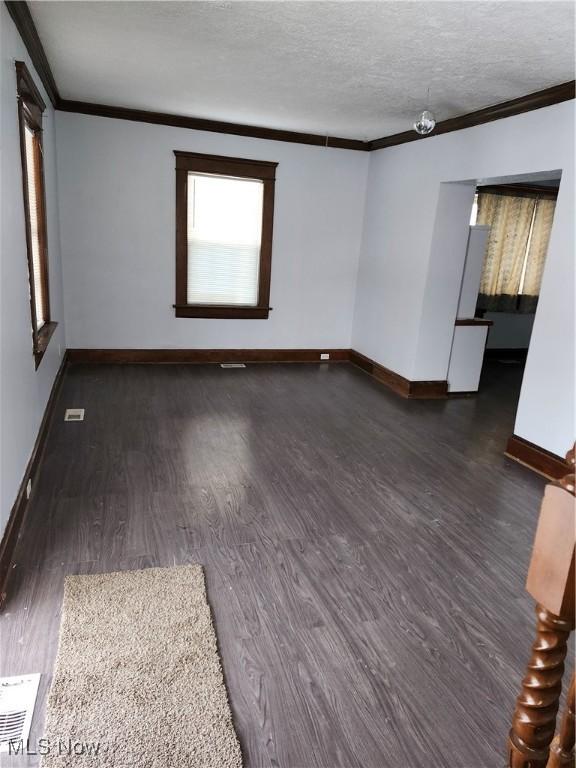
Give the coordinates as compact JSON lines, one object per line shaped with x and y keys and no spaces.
{"x":17,"y":701}
{"x":74,"y":414}
{"x":232,"y":365}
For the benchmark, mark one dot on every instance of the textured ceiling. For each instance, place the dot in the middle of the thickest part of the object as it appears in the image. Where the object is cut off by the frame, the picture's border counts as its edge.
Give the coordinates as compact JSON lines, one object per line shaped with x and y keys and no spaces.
{"x":352,"y":69}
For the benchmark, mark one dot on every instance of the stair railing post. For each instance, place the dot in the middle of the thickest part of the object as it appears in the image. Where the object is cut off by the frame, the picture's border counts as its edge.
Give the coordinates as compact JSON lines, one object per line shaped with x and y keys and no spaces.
{"x":551,"y":583}
{"x":562,"y":748}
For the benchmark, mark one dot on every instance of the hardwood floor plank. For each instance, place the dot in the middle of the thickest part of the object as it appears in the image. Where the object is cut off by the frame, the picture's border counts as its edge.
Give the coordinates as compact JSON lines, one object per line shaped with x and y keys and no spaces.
{"x":365,"y":555}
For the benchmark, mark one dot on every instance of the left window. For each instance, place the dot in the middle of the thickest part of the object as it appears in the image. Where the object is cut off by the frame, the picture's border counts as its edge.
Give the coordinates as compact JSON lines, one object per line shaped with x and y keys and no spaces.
{"x":30,"y":109}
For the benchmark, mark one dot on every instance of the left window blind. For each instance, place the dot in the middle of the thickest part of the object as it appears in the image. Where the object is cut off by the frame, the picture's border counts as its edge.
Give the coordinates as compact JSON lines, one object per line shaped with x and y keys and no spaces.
{"x":35,"y":219}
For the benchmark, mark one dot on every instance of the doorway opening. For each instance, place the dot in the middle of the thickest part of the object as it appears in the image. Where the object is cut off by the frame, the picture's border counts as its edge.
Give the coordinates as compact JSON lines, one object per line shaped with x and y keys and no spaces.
{"x":510,"y":228}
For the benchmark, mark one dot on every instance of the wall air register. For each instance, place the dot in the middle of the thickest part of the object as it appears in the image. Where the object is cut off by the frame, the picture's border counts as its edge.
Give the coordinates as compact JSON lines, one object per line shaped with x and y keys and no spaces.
{"x":74,"y":414}
{"x":17,"y":701}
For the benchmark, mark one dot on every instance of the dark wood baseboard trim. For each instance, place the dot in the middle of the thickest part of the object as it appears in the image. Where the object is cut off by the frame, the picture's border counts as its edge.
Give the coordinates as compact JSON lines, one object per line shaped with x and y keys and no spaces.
{"x":206,"y":355}
{"x":428,"y":390}
{"x":417,"y":390}
{"x":17,"y":514}
{"x":538,"y":459}
{"x":400,"y":385}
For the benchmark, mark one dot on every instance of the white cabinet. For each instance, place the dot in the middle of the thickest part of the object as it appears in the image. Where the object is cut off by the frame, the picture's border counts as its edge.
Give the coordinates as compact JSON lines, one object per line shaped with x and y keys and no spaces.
{"x":466,"y":357}
{"x":472,"y":271}
{"x":469,"y":340}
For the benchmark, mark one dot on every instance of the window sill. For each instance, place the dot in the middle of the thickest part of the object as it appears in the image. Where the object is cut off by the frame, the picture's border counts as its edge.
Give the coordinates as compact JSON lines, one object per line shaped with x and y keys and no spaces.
{"x":42,"y":339}
{"x":230,"y":313}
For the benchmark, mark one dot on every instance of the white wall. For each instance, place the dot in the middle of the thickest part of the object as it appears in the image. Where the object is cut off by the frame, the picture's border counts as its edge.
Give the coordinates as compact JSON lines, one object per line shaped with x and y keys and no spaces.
{"x":24,"y":391}
{"x":510,"y":330}
{"x":117,"y":203}
{"x":402,"y":303}
{"x":448,"y":249}
{"x":358,"y":253}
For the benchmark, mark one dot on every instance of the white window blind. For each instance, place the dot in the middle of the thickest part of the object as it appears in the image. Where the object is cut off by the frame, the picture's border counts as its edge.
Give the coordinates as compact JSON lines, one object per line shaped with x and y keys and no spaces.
{"x":224,"y":237}
{"x":34,"y":191}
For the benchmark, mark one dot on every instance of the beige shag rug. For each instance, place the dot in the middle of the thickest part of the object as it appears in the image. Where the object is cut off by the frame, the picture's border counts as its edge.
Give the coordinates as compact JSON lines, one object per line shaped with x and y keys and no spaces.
{"x":138,"y":680}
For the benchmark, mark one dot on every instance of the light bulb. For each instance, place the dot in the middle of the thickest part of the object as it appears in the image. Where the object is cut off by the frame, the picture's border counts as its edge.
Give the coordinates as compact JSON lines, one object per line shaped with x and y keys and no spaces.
{"x":425,"y":124}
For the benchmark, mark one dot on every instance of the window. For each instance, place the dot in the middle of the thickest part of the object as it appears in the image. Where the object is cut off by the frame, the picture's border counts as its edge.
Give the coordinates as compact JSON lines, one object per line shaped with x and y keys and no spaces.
{"x":520,"y":221}
{"x":30,"y":109}
{"x":224,"y":215}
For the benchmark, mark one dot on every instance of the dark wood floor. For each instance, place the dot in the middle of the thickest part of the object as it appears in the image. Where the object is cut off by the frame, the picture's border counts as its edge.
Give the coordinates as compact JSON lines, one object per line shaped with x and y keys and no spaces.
{"x":365,"y":555}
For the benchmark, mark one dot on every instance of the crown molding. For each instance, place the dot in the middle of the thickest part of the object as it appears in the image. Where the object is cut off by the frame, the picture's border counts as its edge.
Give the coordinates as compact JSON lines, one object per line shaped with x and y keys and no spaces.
{"x":22,"y":17}
{"x":202,"y":124}
{"x":546,"y":98}
{"x":549,"y":96}
{"x":24,"y":22}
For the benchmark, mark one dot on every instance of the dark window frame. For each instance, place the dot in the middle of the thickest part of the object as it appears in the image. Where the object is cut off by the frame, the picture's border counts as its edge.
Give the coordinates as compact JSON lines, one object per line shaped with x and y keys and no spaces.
{"x":217,"y":165}
{"x":30,"y":109}
{"x":519,"y":190}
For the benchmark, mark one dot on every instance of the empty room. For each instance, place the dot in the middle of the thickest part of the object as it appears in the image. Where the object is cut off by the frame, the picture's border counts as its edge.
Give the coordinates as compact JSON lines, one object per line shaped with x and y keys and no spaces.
{"x":287,"y":384}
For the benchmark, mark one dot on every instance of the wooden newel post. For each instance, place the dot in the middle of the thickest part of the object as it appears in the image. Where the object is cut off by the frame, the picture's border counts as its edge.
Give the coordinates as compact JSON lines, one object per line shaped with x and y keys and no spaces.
{"x":562,"y":749}
{"x":551,"y":584}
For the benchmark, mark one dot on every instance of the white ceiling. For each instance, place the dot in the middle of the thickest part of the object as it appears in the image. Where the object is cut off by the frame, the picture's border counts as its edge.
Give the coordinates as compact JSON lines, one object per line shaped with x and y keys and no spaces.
{"x":352,"y":69}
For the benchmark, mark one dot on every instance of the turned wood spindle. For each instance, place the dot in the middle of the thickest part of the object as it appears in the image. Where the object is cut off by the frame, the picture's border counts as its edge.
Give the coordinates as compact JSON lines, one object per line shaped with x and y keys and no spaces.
{"x":562,"y":749}
{"x":534,"y":719}
{"x":551,"y":583}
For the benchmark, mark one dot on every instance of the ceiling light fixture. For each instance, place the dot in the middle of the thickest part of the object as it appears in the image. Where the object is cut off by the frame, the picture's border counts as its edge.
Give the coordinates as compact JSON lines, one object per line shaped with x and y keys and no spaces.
{"x":426,"y":122}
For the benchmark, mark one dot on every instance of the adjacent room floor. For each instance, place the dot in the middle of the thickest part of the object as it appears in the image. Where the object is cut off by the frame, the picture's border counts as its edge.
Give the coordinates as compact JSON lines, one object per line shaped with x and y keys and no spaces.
{"x":365,"y":555}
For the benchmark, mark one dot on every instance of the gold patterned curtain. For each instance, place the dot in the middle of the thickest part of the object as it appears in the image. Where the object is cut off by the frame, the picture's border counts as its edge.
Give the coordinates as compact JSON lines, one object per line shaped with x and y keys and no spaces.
{"x":536,"y":256}
{"x":516,"y":250}
{"x":509,"y":219}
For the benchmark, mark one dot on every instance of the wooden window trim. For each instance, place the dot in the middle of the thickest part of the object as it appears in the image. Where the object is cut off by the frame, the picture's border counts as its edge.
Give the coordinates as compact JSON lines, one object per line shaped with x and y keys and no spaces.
{"x":30,"y":109}
{"x":519,"y":190}
{"x":187,"y":162}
